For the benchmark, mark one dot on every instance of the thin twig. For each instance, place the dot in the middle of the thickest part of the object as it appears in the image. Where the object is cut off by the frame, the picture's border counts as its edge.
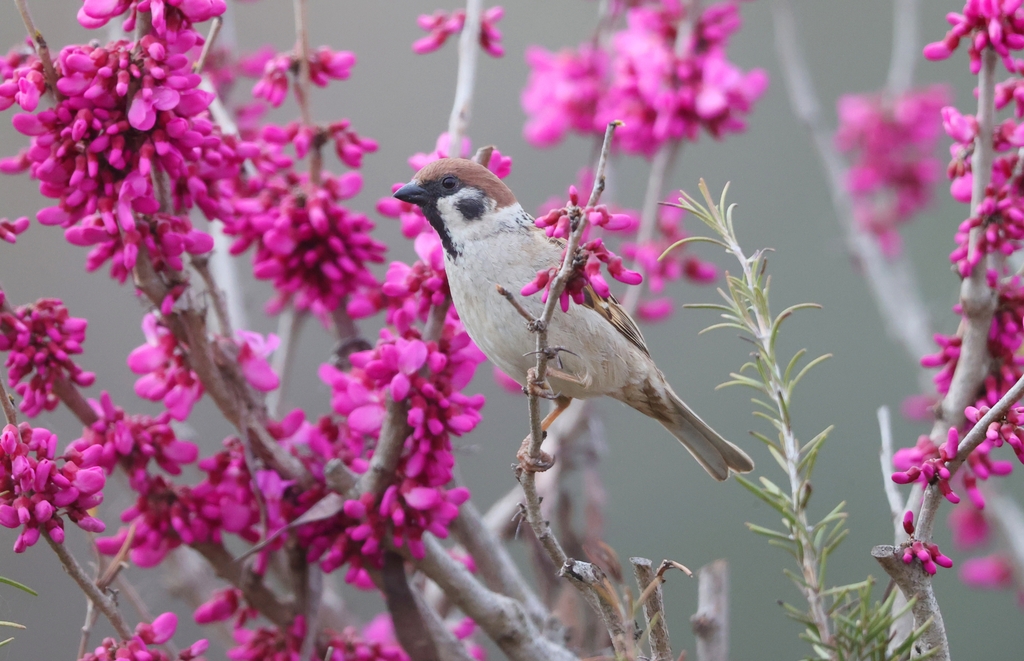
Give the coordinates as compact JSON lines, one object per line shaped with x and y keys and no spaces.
{"x":896,"y":503}
{"x":661,"y":166}
{"x":469,"y":50}
{"x":654,"y":609}
{"x":289,"y":330}
{"x":302,"y":87}
{"x":104,"y":603}
{"x":202,"y":266}
{"x":905,"y":47}
{"x":10,"y":413}
{"x":42,"y":50}
{"x":215,"y":26}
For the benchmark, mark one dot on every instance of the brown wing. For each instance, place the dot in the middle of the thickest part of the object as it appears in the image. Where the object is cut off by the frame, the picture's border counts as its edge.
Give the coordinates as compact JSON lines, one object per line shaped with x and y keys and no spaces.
{"x":610,"y":309}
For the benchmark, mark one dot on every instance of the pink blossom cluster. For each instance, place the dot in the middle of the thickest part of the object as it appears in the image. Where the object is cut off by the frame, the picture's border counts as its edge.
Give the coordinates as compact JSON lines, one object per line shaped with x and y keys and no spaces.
{"x":315,"y":251}
{"x":926,"y":463}
{"x":166,"y":376}
{"x":927,"y":554}
{"x":659,"y":271}
{"x":667,"y":78}
{"x":375,"y":643}
{"x":995,"y":24}
{"x":172,"y":19}
{"x":40,"y":339}
{"x":167,"y":515}
{"x":441,"y":24}
{"x":37,"y":488}
{"x":138,"y":648}
{"x":970,"y":533}
{"x":127,"y":114}
{"x":427,"y":377}
{"x":325,"y":65}
{"x":132,"y":441}
{"x":563,"y":92}
{"x":412,"y":290}
{"x":892,"y":142}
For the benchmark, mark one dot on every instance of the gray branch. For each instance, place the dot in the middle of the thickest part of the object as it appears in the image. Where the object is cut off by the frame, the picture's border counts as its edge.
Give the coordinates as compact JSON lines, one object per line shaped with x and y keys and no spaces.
{"x":711,"y":622}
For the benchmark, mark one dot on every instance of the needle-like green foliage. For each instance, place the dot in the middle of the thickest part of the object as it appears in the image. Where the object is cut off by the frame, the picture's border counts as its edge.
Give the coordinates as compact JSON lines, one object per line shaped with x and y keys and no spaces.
{"x":14,"y":625}
{"x":841,"y":623}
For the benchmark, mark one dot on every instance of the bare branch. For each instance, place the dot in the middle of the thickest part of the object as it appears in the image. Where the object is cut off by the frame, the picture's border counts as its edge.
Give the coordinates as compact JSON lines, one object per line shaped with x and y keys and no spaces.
{"x":393,"y":433}
{"x":7,"y":402}
{"x":211,"y":37}
{"x":896,"y":503}
{"x":42,"y":50}
{"x":289,"y":329}
{"x":257,"y":594}
{"x":711,"y":621}
{"x":654,"y":609}
{"x":587,"y":578}
{"x":905,"y":47}
{"x":916,"y":584}
{"x":104,"y":603}
{"x":469,"y":50}
{"x":503,"y":619}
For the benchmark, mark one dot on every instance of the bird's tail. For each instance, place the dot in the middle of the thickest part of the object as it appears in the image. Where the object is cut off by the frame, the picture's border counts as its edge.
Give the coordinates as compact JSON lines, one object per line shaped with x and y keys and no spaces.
{"x":717,"y":455}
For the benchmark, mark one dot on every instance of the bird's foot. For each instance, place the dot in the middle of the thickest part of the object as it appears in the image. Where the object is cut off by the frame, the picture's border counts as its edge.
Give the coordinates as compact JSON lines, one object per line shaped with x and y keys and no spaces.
{"x":538,"y":464}
{"x":553,"y":353}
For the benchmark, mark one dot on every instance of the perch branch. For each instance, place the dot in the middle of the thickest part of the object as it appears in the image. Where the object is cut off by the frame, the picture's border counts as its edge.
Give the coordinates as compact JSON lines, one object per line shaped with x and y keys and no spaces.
{"x":587,"y":578}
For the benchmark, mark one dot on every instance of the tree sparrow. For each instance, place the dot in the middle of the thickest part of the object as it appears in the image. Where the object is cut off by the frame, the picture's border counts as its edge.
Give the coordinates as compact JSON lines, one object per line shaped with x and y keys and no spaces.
{"x":489,"y":241}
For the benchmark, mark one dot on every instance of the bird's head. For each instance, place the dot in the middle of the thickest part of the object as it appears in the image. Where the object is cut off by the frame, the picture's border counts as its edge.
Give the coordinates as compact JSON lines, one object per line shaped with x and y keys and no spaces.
{"x":462,"y":200}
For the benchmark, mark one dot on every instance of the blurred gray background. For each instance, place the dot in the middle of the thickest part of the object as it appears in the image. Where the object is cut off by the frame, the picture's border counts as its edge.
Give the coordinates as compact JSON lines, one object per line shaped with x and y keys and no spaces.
{"x":660,"y":503}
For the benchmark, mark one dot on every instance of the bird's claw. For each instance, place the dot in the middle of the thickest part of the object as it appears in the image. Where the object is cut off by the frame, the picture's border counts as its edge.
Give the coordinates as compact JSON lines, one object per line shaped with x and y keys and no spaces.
{"x":553,"y":353}
{"x":542,"y":462}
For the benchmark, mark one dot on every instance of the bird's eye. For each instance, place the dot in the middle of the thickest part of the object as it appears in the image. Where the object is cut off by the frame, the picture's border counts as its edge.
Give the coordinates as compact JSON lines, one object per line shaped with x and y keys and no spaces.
{"x":449,"y":182}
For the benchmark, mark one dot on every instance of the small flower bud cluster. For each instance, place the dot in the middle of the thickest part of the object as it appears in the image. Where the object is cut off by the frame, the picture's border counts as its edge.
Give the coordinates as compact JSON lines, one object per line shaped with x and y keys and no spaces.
{"x":440,"y":25}
{"x":996,"y":24}
{"x":928,"y":555}
{"x":412,"y":290}
{"x":166,"y":375}
{"x":590,"y":255}
{"x":926,"y":463}
{"x":37,"y":488}
{"x":167,"y":515}
{"x":132,"y":441}
{"x":40,"y":339}
{"x":892,"y":142}
{"x":10,"y":229}
{"x":324,"y":65}
{"x":138,"y":648}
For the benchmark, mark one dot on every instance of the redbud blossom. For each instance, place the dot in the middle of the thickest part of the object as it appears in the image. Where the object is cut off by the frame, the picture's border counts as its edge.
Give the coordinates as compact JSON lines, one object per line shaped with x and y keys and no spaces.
{"x":927,"y":554}
{"x":37,"y":488}
{"x":40,"y":339}
{"x":993,"y":572}
{"x":998,"y":24}
{"x":166,"y":374}
{"x":440,"y":25}
{"x":892,"y":141}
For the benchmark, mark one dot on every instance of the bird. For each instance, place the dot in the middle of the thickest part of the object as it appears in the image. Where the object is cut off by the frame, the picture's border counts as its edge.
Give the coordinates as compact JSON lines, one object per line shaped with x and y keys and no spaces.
{"x":491,"y":243}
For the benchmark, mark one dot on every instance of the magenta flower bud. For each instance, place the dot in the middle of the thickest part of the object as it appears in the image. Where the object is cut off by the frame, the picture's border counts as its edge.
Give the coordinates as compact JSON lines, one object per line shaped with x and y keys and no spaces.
{"x":908,"y":522}
{"x":163,"y":627}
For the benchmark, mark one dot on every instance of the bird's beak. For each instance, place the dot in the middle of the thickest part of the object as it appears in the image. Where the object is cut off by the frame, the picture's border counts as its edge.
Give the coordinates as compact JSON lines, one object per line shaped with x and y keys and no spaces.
{"x":412,"y":193}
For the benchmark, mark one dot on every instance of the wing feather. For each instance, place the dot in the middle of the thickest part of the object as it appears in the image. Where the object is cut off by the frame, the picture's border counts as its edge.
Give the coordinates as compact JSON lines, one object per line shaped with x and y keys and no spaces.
{"x":610,"y":309}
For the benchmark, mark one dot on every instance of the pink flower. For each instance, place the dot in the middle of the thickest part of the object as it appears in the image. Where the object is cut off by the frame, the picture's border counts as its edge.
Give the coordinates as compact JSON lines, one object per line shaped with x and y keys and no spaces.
{"x":998,"y":24}
{"x":441,"y":25}
{"x":562,"y":93}
{"x":166,"y":375}
{"x":252,"y":358}
{"x":894,"y":169}
{"x":37,"y":489}
{"x":993,"y":572}
{"x":40,"y":339}
{"x":10,"y":229}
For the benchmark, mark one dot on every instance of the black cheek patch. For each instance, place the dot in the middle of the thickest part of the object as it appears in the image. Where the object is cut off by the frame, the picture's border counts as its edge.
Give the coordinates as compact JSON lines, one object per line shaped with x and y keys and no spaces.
{"x":471,"y":208}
